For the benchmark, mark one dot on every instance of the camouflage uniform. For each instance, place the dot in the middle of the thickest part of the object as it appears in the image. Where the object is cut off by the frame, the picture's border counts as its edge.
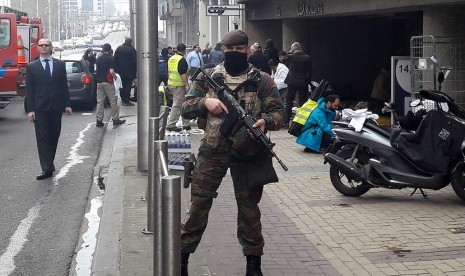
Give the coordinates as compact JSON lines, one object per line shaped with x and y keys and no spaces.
{"x":216,"y":156}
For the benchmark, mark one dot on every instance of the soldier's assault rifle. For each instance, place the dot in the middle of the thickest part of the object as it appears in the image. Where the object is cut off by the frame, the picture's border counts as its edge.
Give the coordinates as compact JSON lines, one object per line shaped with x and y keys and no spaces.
{"x":236,"y":113}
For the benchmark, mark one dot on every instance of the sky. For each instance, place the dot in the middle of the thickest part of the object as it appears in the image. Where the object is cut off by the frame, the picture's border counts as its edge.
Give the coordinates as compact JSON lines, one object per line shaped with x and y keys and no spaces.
{"x":123,"y":5}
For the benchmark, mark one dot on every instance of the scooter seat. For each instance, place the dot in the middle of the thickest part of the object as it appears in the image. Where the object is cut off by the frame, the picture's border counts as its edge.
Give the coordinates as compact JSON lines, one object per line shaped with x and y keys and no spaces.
{"x":383,"y":130}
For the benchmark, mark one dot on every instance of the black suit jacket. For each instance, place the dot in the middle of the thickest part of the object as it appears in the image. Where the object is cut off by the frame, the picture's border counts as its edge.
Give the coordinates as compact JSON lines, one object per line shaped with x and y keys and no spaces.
{"x":46,"y":93}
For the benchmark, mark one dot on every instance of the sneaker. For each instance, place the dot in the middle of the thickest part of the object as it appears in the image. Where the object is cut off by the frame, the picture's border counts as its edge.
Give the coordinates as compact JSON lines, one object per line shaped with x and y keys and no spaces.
{"x":118,"y":122}
{"x":173,"y":128}
{"x":99,"y":123}
{"x":128,"y":103}
{"x":133,"y":99}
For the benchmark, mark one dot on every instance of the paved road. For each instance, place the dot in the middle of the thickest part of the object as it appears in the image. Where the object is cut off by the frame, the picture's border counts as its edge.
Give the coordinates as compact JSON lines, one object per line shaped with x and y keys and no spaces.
{"x":41,"y":220}
{"x":309,"y":228}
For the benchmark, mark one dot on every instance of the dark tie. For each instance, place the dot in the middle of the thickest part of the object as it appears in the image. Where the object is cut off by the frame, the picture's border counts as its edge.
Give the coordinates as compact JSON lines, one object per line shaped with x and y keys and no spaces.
{"x":200,"y":59}
{"x":47,"y":67}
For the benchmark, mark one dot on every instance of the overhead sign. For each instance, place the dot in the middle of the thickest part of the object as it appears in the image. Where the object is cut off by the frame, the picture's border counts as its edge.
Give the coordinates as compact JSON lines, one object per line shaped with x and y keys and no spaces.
{"x":225,"y":10}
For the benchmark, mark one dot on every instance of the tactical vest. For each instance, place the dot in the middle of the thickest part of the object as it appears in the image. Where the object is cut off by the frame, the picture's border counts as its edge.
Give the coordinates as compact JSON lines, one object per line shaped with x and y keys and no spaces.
{"x":248,"y":97}
{"x":174,"y":78}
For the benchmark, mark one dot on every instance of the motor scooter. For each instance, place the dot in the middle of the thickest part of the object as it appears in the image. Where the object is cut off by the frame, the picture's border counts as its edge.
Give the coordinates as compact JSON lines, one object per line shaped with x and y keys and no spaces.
{"x":429,"y":158}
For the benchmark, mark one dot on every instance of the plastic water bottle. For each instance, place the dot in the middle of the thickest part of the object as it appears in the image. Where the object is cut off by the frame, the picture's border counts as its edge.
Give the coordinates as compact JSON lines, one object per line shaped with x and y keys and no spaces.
{"x":188,"y":141}
{"x":177,"y":141}
{"x":184,"y":141}
{"x":169,"y":138}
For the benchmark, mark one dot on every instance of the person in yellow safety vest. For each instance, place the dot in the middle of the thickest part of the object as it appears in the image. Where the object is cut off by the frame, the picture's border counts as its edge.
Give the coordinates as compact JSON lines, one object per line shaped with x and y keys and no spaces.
{"x":164,"y":96}
{"x":178,"y":86}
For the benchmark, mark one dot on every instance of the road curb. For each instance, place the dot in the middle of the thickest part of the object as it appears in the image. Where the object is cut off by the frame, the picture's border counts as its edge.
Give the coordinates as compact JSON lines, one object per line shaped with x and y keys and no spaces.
{"x":107,"y":253}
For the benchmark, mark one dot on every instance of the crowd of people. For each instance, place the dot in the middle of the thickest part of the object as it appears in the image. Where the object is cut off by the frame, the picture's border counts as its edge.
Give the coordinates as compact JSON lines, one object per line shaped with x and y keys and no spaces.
{"x":266,"y":82}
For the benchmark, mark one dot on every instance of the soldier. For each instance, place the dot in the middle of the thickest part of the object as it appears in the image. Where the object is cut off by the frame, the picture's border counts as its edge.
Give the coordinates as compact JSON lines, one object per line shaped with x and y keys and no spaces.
{"x":238,"y":152}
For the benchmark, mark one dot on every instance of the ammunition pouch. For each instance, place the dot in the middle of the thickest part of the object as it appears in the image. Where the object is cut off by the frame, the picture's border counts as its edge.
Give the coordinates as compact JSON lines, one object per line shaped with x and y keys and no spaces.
{"x":189,"y":165}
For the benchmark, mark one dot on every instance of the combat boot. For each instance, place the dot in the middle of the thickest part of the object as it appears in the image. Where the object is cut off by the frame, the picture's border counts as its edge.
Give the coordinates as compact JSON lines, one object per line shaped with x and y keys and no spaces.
{"x":184,"y":262}
{"x":254,"y":266}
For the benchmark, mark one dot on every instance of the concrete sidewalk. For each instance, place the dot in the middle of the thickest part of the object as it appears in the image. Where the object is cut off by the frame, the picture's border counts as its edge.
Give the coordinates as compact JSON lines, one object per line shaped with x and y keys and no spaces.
{"x":309,"y":228}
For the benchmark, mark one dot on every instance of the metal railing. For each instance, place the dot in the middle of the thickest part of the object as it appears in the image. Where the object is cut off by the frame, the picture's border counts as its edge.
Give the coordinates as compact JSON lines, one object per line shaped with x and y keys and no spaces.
{"x":164,"y":203}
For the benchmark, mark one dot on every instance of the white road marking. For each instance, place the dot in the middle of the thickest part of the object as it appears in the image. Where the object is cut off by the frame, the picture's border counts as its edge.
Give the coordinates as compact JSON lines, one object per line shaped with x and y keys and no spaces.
{"x":84,"y":256}
{"x":19,"y":238}
{"x":7,"y":262}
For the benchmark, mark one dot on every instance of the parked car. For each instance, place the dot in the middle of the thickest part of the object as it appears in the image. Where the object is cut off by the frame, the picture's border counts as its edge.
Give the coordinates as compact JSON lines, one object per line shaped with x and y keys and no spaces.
{"x":82,"y":85}
{"x":81,"y":82}
{"x":89,"y":39}
{"x":57,"y":46}
{"x":81,"y":43}
{"x":68,"y":44}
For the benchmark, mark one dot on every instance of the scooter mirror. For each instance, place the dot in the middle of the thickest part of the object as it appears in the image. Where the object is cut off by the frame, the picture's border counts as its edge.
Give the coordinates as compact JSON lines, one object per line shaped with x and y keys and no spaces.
{"x":415,"y":103}
{"x":440,"y":77}
{"x":389,"y":105}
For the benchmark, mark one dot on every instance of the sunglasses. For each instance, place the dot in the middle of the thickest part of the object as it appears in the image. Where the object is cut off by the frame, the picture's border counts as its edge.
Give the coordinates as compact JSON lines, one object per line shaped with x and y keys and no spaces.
{"x":44,"y":45}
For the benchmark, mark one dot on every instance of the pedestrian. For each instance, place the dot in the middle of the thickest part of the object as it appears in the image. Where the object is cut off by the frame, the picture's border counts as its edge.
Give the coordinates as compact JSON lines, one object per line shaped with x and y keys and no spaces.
{"x":105,"y":88}
{"x":90,"y":59}
{"x":381,"y":91}
{"x":170,"y":51}
{"x":270,"y":51}
{"x":163,"y":67}
{"x":258,"y":59}
{"x":216,"y":55}
{"x":47,"y":98}
{"x":238,"y":152}
{"x":281,"y":56}
{"x":126,"y":66}
{"x":178,"y":86}
{"x":298,"y":78}
{"x":194,"y":60}
{"x":316,"y":134}
{"x":206,"y":53}
{"x":279,"y":73}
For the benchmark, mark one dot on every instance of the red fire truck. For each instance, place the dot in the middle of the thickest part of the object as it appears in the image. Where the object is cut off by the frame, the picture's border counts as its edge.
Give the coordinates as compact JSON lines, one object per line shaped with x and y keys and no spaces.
{"x":18,"y":46}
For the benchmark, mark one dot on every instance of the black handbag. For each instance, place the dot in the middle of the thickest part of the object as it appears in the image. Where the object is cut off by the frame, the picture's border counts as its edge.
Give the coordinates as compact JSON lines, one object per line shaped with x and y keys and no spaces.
{"x":261,"y":172}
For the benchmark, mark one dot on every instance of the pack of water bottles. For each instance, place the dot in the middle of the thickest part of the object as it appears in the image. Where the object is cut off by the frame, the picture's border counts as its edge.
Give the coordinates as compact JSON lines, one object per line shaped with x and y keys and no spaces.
{"x":179,"y":147}
{"x":178,"y":140}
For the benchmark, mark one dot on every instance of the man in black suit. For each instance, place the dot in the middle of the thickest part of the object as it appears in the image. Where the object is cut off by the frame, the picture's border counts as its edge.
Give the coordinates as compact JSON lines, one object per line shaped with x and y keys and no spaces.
{"x":125,"y":60}
{"x":47,"y":98}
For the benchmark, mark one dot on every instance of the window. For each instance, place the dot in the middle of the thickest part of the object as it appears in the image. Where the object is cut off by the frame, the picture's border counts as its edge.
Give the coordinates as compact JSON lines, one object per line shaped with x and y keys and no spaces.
{"x":34,"y":35}
{"x":5,"y":26}
{"x":73,"y":67}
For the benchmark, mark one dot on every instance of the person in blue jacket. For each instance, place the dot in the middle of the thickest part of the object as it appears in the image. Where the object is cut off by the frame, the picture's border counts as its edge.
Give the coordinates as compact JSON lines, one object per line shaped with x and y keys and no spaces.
{"x":317,"y":131}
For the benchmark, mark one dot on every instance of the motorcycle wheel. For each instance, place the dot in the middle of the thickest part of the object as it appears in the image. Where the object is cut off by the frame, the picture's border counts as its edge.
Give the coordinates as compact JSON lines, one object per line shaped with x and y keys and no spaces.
{"x":341,"y":182}
{"x":458,"y":181}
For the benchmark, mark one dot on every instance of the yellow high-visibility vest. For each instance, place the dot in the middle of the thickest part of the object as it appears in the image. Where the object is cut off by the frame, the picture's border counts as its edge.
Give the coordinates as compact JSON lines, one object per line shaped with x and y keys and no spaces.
{"x":174,"y":78}
{"x":304,"y":112}
{"x":161,"y":89}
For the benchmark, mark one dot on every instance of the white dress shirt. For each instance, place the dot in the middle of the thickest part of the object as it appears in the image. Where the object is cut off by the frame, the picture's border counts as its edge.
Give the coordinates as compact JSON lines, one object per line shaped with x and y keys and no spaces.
{"x":50,"y":63}
{"x":280,"y":75}
{"x":194,"y":59}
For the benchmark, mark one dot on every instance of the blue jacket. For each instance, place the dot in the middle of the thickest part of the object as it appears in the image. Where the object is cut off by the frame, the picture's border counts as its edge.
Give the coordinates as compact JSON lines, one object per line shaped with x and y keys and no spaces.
{"x":319,"y":121}
{"x":163,"y":65}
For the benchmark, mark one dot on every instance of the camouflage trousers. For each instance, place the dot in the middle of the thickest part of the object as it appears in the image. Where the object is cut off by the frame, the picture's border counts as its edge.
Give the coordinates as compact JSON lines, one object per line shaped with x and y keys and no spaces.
{"x":208,"y":173}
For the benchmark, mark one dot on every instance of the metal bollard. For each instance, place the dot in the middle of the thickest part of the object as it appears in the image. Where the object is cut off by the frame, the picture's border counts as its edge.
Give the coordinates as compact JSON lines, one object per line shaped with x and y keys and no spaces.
{"x":161,"y":169}
{"x":153,"y":136}
{"x":171,"y":225}
{"x":164,"y":111}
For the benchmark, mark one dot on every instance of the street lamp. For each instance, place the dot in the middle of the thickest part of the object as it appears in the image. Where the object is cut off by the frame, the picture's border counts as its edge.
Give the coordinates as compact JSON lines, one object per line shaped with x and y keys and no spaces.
{"x":48,"y":10}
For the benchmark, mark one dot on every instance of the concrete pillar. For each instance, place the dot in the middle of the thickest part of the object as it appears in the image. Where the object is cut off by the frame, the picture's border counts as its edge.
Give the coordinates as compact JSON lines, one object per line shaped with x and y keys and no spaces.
{"x":204,"y":23}
{"x":223,"y":23}
{"x":444,"y":21}
{"x":214,"y":24}
{"x":292,"y":32}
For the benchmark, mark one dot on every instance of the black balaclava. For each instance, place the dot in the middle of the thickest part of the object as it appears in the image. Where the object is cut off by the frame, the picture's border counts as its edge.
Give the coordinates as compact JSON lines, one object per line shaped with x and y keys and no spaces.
{"x":235,"y":62}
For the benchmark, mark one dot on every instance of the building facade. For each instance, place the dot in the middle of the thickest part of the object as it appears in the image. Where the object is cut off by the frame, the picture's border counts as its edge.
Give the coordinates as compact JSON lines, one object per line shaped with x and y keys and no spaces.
{"x":181,"y":21}
{"x":350,"y":40}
